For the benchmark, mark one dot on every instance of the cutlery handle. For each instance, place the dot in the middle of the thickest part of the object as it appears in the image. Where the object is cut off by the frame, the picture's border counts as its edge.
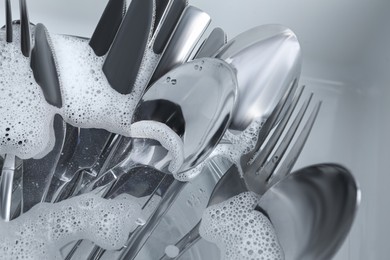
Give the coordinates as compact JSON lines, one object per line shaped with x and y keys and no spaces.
{"x":6,"y":182}
{"x":142,"y":233}
{"x":187,"y":241}
{"x":55,"y":189}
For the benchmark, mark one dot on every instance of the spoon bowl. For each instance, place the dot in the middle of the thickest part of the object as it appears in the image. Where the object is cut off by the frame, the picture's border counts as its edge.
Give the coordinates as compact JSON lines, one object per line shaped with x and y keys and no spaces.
{"x":196,"y":101}
{"x":312,"y":210}
{"x":267,"y":61}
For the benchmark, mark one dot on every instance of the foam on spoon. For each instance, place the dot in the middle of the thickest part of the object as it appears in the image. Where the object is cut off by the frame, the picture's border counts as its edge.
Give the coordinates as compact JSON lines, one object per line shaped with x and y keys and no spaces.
{"x":239,"y":231}
{"x":26,"y":127}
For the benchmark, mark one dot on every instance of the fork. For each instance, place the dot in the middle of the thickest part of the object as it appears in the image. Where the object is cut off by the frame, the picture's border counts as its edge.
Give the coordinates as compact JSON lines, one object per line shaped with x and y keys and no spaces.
{"x":259,"y":173}
{"x":140,"y":236}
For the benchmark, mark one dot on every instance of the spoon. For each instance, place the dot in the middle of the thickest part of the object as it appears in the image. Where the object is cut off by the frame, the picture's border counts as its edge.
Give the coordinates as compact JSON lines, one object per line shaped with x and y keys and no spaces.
{"x":312,"y":210}
{"x":267,"y":60}
{"x":174,"y":97}
{"x":171,"y":101}
{"x":194,"y":22}
{"x":270,"y":44}
{"x":233,"y":183}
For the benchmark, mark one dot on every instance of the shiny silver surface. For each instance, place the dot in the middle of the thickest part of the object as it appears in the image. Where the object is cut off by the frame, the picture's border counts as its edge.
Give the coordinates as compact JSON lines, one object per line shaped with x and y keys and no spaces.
{"x":37,"y":173}
{"x":267,"y":60}
{"x":25,"y":36}
{"x":202,"y":127}
{"x":312,"y":210}
{"x":188,"y":31}
{"x":214,"y":41}
{"x":171,"y":100}
{"x":6,"y":182}
{"x":204,"y":92}
{"x":8,"y":21}
{"x":232,"y":183}
{"x":256,"y":171}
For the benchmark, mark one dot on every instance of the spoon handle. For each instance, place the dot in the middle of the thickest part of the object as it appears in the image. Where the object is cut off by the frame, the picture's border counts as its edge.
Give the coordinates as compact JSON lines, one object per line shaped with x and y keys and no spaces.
{"x":187,"y":241}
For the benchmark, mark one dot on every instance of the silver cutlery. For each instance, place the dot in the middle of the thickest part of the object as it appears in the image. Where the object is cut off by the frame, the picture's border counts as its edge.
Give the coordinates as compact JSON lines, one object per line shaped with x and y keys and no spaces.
{"x":319,"y":205}
{"x":232,"y":183}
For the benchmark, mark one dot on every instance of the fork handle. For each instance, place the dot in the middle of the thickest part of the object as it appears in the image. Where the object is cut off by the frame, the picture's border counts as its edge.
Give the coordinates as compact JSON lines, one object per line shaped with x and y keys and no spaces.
{"x":187,"y":241}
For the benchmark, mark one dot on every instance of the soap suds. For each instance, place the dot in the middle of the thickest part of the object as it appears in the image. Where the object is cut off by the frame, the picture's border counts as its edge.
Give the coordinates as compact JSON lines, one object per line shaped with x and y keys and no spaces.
{"x":167,"y":138}
{"x":26,"y":119}
{"x":239,"y":231}
{"x":46,"y":228}
{"x":25,"y":116}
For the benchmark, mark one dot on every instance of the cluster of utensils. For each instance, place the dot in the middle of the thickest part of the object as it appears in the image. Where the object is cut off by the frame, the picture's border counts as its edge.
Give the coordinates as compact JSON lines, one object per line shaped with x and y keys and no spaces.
{"x":251,"y":79}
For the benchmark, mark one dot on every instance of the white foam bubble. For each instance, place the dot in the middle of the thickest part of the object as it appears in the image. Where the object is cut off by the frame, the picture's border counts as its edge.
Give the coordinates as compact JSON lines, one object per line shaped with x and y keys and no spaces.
{"x":172,"y":251}
{"x":89,"y":100}
{"x":167,"y":138}
{"x":46,"y":228}
{"x":239,"y":231}
{"x":25,"y":117}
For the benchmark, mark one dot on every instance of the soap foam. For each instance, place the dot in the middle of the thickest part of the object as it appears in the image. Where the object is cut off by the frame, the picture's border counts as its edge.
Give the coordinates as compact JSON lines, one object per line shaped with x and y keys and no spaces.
{"x":239,"y":231}
{"x":46,"y":228}
{"x":167,"y":138}
{"x":89,"y":100}
{"x":26,"y":119}
{"x":232,"y":146}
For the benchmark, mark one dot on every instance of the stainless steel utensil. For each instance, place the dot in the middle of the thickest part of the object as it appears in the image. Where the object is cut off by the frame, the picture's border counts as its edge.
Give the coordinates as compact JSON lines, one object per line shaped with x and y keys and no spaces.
{"x":263,"y":42}
{"x":8,"y":21}
{"x":190,"y":19}
{"x":36,"y":173}
{"x":6,"y":182}
{"x":108,"y":26}
{"x":200,"y":130}
{"x":212,"y":44}
{"x":127,"y":51}
{"x":312,"y":210}
{"x":188,"y":31}
{"x":267,"y":60}
{"x":168,"y":13}
{"x":232,"y":183}
{"x":25,"y":36}
{"x":7,"y":176}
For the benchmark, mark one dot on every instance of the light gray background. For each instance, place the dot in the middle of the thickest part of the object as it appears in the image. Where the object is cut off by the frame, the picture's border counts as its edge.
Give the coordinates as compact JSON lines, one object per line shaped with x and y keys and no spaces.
{"x":346,"y":46}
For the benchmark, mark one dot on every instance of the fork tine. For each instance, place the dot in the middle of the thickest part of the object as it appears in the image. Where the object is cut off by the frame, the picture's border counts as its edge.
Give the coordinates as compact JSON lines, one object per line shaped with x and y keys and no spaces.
{"x":8,"y":20}
{"x":292,"y":156}
{"x":261,"y":157}
{"x":25,"y":29}
{"x":271,"y":121}
{"x":260,"y":174}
